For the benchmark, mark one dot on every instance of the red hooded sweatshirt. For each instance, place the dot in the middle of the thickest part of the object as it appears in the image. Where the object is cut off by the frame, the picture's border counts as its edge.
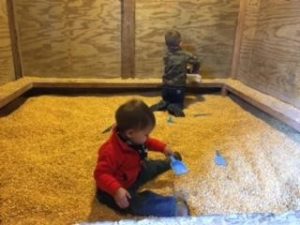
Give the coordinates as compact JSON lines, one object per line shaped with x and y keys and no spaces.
{"x":119,"y":165}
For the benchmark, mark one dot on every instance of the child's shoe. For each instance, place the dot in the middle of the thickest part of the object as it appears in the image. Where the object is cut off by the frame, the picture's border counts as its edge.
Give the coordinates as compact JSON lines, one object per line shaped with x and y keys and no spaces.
{"x":175,"y":110}
{"x":182,"y":208}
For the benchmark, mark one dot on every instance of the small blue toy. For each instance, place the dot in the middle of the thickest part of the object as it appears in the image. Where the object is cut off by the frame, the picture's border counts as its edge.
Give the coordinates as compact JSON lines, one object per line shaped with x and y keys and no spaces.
{"x":178,"y":166}
{"x":220,"y":160}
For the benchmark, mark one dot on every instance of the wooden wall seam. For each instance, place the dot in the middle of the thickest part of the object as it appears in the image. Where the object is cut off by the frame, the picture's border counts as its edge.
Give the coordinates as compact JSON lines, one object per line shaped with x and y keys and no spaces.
{"x":238,"y":38}
{"x":14,"y":39}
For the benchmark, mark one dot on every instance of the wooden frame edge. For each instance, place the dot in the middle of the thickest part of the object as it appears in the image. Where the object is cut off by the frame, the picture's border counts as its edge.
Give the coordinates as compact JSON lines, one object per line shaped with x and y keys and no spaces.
{"x":14,"y":95}
{"x":290,"y":121}
{"x":225,"y":87}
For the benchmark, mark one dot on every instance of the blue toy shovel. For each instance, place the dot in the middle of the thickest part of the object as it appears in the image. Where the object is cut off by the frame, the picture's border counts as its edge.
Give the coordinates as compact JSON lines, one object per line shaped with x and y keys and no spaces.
{"x":220,"y":160}
{"x":178,"y":167}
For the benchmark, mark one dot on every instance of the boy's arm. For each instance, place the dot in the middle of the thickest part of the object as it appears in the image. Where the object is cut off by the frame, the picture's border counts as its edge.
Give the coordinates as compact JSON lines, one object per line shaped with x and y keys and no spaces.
{"x":193,"y":60}
{"x":156,"y":145}
{"x":103,"y":174}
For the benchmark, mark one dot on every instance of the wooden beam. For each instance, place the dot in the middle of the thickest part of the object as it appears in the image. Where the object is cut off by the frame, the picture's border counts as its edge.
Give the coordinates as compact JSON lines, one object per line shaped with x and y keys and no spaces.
{"x":284,"y":112}
{"x":14,"y":39}
{"x":12,"y":90}
{"x":128,"y":38}
{"x":238,"y":38}
{"x":115,"y":83}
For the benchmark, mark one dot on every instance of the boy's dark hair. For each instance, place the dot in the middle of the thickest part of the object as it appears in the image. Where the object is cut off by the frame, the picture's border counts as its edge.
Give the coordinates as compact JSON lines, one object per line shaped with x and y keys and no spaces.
{"x":173,"y":38}
{"x":134,"y":114}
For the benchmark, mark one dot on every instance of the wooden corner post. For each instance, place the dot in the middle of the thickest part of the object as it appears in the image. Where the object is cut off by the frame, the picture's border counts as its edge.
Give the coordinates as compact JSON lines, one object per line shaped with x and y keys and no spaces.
{"x":14,"y":39}
{"x":128,"y":38}
{"x":238,"y":38}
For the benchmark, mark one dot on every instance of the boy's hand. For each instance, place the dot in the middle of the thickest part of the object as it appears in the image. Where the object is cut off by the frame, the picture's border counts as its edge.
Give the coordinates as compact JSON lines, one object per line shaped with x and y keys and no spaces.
{"x":168,"y":151}
{"x":121,"y":198}
{"x":189,"y":68}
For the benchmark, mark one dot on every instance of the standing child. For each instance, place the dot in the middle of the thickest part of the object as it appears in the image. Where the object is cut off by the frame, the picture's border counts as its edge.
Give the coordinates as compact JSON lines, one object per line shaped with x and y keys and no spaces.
{"x":123,"y":166}
{"x":176,"y":63}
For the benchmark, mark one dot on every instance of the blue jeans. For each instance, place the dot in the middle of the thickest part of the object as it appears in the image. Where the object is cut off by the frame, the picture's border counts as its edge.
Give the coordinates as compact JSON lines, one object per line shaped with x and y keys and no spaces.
{"x":146,"y":203}
{"x":174,"y":95}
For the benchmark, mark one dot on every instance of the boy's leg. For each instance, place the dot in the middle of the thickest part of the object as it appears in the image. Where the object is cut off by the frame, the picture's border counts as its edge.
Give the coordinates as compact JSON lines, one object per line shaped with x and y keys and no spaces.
{"x":109,"y":201}
{"x":148,"y":203}
{"x":177,"y":102}
{"x":163,"y":104}
{"x":166,"y":94}
{"x":150,"y":170}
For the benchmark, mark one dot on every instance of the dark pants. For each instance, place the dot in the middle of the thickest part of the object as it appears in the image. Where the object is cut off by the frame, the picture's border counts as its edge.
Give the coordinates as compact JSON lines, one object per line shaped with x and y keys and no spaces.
{"x":174,"y":95}
{"x":145,"y":203}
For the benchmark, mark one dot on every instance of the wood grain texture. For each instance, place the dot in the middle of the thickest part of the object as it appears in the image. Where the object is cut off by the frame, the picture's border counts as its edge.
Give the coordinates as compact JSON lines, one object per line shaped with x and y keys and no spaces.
{"x":62,"y":38}
{"x":6,"y":57}
{"x":270,"y":53}
{"x":207,"y":26}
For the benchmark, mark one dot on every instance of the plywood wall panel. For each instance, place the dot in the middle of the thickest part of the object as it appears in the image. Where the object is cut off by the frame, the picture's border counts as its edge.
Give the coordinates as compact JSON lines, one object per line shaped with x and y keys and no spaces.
{"x":70,"y":38}
{"x":7,"y":72}
{"x":270,"y":56}
{"x":248,"y":35}
{"x":207,"y":27}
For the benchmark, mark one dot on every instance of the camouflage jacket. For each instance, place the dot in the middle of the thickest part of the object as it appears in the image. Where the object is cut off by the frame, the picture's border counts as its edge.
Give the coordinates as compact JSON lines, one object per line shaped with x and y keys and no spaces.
{"x":176,"y":63}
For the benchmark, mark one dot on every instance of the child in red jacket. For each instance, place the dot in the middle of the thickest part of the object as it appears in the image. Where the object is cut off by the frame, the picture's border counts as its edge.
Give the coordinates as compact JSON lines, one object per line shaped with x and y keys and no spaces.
{"x":123,"y":166}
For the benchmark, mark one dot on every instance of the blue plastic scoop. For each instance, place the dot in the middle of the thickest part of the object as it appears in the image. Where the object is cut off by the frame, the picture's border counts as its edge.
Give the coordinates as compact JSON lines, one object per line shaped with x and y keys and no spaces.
{"x":178,"y":167}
